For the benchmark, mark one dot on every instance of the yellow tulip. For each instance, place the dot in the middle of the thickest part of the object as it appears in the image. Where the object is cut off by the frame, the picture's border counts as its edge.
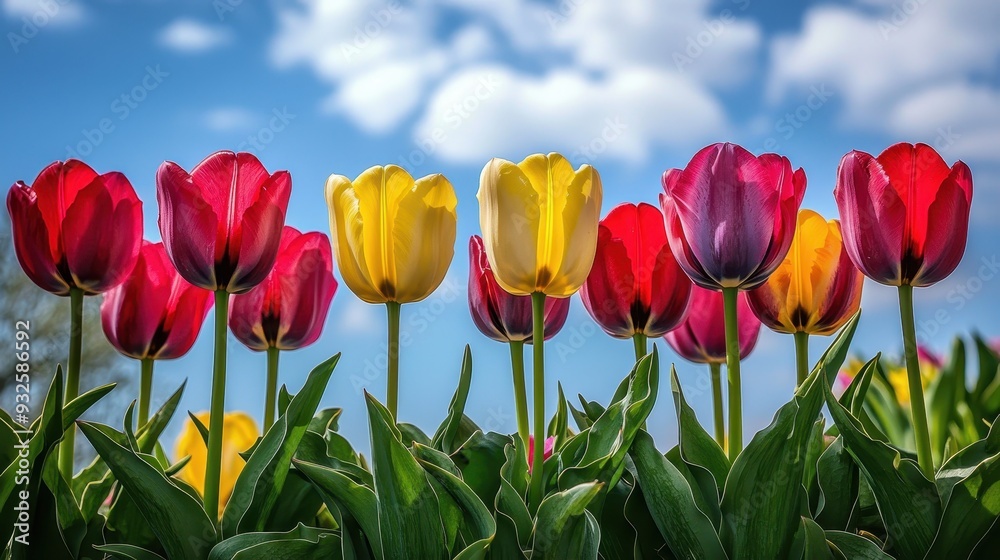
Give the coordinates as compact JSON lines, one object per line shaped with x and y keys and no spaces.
{"x":539,"y":220}
{"x":393,"y":237}
{"x":816,"y":288}
{"x":239,"y":434}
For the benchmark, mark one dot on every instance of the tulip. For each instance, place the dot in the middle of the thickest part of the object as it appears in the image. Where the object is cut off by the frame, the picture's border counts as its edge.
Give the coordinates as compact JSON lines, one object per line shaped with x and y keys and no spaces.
{"x":635,"y":289}
{"x":240,"y":435}
{"x":814,"y":290}
{"x":75,"y":233}
{"x":539,"y":220}
{"x":930,"y":367}
{"x":221,"y":226}
{"x":549,"y":447}
{"x":906,"y":220}
{"x":507,"y":318}
{"x":730,"y":218}
{"x":287,"y":310}
{"x":702,"y":338}
{"x":394,"y":238}
{"x":153,"y":315}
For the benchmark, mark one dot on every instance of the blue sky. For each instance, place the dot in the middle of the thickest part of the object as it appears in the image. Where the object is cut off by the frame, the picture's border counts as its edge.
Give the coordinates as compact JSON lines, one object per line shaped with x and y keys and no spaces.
{"x":632,"y":87}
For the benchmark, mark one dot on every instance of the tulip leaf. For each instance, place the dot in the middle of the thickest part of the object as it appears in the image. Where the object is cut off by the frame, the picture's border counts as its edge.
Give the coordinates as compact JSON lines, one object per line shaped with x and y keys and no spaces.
{"x":908,"y":502}
{"x":697,"y":448}
{"x":688,"y":532}
{"x":263,"y":478}
{"x":855,"y":547}
{"x":563,"y":528}
{"x":284,"y":399}
{"x":512,"y":516}
{"x":816,"y":547}
{"x":760,"y":504}
{"x":200,"y":426}
{"x":76,"y":407}
{"x":69,"y":520}
{"x":478,"y":526}
{"x":446,"y":435}
{"x":302,"y":542}
{"x":178,"y":519}
{"x":607,"y":442}
{"x":408,"y":511}
{"x":128,"y":551}
{"x":837,"y":478}
{"x":970,"y":489}
{"x":411,"y":434}
{"x":341,"y":491}
{"x":558,"y":424}
{"x":582,"y":420}
{"x":326,"y":420}
{"x":480,"y":460}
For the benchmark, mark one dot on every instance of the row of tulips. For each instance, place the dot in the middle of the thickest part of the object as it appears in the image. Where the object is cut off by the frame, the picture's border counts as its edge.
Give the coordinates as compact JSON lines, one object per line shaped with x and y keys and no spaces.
{"x":729,"y":238}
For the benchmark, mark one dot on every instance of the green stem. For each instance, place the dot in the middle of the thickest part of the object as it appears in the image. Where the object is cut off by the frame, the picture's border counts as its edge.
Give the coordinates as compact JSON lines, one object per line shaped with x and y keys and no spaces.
{"x":917,"y":407}
{"x":733,"y":370}
{"x":801,"y":356}
{"x":213,"y":464}
{"x":520,"y":396}
{"x":392,"y":399}
{"x":66,"y":448}
{"x":145,"y":391}
{"x":720,"y":418}
{"x":272,"y":387}
{"x":536,"y":487}
{"x":639,"y":341}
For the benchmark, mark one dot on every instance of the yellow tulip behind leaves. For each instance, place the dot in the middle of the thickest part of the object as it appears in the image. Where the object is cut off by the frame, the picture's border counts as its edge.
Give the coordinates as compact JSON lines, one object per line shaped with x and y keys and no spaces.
{"x":239,"y":434}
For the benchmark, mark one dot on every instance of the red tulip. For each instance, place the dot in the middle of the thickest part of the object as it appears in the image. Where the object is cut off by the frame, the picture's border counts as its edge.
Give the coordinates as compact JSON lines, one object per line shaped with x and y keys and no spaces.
{"x":635,"y":285}
{"x":500,"y":315}
{"x":74,"y":228}
{"x":550,"y":446}
{"x":701,"y":337}
{"x":905,"y":213}
{"x":287,"y":310}
{"x":221,"y":224}
{"x":155,"y":313}
{"x":730,"y":215}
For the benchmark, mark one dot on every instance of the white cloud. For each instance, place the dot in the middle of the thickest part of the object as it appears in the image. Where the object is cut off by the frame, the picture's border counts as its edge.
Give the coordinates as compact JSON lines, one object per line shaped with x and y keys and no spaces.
{"x":225,"y":119}
{"x":566,"y":69}
{"x":44,"y":12}
{"x":187,"y":35}
{"x":496,"y":110}
{"x":899,"y":66}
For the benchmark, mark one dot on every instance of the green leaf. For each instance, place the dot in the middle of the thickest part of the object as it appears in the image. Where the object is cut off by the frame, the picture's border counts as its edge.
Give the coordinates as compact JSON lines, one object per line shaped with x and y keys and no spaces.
{"x":300,"y":543}
{"x":70,"y":522}
{"x":411,"y":434}
{"x":480,"y":461}
{"x":262,"y":479}
{"x":855,"y":547}
{"x":340,"y":490}
{"x":582,"y":420}
{"x":284,"y":399}
{"x":178,"y":519}
{"x":478,"y":527}
{"x":558,"y":424}
{"x":446,"y":435}
{"x":908,"y":502}
{"x":326,"y":420}
{"x":128,"y":552}
{"x":697,"y":448}
{"x":607,"y":442}
{"x":76,"y":407}
{"x":202,"y":430}
{"x":563,"y":528}
{"x":837,"y":478}
{"x":686,"y":529}
{"x":970,"y":489}
{"x":512,"y":516}
{"x":408,"y":512}
{"x":941,"y":398}
{"x":816,"y":547}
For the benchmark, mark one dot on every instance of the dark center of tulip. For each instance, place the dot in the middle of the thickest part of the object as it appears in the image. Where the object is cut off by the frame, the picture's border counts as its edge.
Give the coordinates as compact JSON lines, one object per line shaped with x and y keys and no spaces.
{"x":158,"y":341}
{"x":388,"y":290}
{"x":640,"y":315}
{"x":543,"y":278}
{"x":910,"y":265}
{"x":270,"y":324}
{"x":800,"y":318}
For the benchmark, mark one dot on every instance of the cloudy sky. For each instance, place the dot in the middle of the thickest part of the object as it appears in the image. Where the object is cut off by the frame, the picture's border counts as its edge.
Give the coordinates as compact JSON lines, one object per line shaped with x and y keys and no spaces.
{"x":630,"y":86}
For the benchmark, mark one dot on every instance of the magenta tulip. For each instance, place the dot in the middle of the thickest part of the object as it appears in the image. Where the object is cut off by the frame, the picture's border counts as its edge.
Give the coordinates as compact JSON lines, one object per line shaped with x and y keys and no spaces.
{"x":905,"y":213}
{"x":155,"y":314}
{"x":701,"y":338}
{"x":500,"y":315}
{"x":287,"y":310}
{"x":221,"y":223}
{"x":730,"y":215}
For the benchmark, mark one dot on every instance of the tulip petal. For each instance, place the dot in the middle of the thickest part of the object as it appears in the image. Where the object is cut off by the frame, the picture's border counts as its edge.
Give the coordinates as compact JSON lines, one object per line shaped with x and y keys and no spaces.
{"x":188,"y":225}
{"x":509,"y":213}
{"x":423,"y":237}
{"x":88,"y":234}
{"x":307,"y":287}
{"x":260,"y":233}
{"x":947,"y":227}
{"x":609,"y":294}
{"x":347,"y":228}
{"x":57,"y":186}
{"x":228,"y":182}
{"x":873,"y":217}
{"x":31,"y":240}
